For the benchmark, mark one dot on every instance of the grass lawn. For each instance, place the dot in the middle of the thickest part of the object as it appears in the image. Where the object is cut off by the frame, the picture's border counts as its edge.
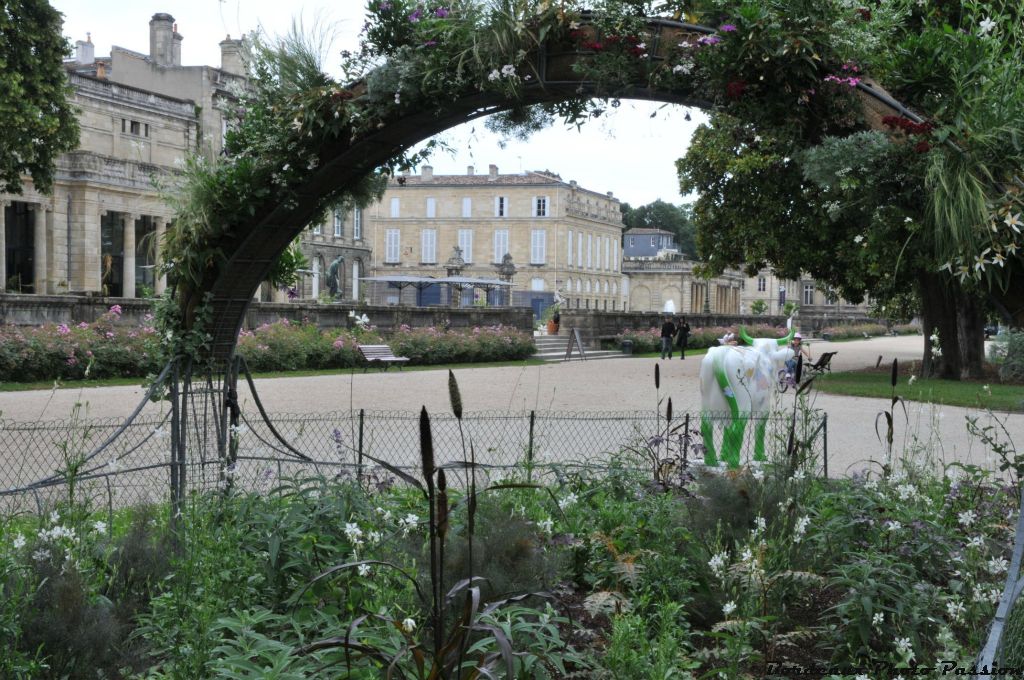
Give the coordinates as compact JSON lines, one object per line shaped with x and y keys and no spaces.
{"x":115,"y":382}
{"x":969,"y":393}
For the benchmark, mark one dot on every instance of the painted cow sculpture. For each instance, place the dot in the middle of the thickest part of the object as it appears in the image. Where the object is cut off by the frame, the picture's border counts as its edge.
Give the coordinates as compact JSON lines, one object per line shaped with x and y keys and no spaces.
{"x":739,"y":380}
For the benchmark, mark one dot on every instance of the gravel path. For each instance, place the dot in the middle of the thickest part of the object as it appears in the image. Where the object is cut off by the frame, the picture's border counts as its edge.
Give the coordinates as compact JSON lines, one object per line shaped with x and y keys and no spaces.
{"x":609,"y":385}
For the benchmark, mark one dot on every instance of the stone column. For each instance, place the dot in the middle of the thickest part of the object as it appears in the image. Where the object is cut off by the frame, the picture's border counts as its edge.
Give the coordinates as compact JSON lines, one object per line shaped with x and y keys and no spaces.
{"x":128,"y":288}
{"x":160,"y":282}
{"x":39,"y":251}
{"x":3,"y":245}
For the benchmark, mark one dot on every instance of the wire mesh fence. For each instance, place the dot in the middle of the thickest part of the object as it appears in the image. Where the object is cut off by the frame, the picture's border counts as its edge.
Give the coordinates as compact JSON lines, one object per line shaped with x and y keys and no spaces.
{"x":47,"y":462}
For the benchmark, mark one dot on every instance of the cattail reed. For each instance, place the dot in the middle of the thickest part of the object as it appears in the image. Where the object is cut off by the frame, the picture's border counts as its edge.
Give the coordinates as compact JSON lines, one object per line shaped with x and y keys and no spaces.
{"x":454,"y":396}
{"x":657,"y":376}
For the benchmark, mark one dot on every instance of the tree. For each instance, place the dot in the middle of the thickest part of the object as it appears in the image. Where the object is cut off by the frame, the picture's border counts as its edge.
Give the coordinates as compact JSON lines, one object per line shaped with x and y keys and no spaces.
{"x":661,"y":215}
{"x":38,"y":120}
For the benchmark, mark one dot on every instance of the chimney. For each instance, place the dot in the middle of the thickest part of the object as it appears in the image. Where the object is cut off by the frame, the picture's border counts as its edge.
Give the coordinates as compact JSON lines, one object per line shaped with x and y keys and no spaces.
{"x":611,"y":195}
{"x":492,"y":172}
{"x":85,"y":51}
{"x":101,"y":70}
{"x":161,"y":31}
{"x":470,"y":170}
{"x":427,"y":173}
{"x":175,"y":46}
{"x":231,"y":56}
{"x":573,"y":185}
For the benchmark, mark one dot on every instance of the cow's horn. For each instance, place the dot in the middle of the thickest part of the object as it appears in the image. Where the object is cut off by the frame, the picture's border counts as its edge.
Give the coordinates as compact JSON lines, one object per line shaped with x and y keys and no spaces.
{"x":746,"y":338}
{"x":788,"y":339}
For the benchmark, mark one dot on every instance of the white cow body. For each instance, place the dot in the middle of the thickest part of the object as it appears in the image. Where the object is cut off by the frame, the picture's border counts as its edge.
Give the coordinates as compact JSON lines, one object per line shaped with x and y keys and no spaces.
{"x":739,"y":380}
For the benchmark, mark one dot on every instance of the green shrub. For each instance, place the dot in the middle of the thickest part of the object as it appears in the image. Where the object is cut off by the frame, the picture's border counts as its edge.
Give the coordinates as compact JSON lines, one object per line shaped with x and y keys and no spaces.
{"x":1012,"y":368}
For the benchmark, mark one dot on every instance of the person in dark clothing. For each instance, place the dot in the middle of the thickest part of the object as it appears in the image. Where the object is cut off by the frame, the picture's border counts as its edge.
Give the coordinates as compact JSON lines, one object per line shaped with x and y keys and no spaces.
{"x":682,"y":336}
{"x":668,"y":331}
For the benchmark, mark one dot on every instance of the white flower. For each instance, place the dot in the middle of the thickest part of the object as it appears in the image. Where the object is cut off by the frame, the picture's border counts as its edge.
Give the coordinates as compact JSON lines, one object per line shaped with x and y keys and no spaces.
{"x":759,"y":524}
{"x":871,"y":484}
{"x":19,"y":542}
{"x":728,"y":608}
{"x":904,"y":647}
{"x":858,"y":238}
{"x":906,"y":492}
{"x":878,"y":619}
{"x":893,"y":525}
{"x":54,"y":517}
{"x":758,"y":474}
{"x":373,"y":536}
{"x":986,"y":26}
{"x":800,"y":528}
{"x":41,"y":555}
{"x":967,"y":518}
{"x":911,"y":380}
{"x":997,"y":565}
{"x":685,"y":45}
{"x":955,"y":610}
{"x":799,"y":475}
{"x":1014,"y":222}
{"x":976,"y":542}
{"x":908,"y":219}
{"x":398,"y":97}
{"x":408,"y":625}
{"x":685,"y":68}
{"x":747,"y":556}
{"x":546,"y":525}
{"x":508,"y":71}
{"x":353,"y":533}
{"x":100,"y":527}
{"x":494,"y":75}
{"x":718,"y":562}
{"x":862,"y":676}
{"x":364,"y":569}
{"x":568,"y":501}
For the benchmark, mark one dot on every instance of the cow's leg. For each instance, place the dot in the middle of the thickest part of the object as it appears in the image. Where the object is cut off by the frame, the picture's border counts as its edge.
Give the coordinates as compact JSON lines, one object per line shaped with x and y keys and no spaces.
{"x":707,"y":432}
{"x":759,"y":428}
{"x":732,"y":442}
{"x":732,"y":438}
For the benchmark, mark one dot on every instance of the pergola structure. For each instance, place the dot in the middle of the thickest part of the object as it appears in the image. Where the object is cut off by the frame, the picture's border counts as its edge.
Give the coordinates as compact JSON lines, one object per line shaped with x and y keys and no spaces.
{"x":450,"y":292}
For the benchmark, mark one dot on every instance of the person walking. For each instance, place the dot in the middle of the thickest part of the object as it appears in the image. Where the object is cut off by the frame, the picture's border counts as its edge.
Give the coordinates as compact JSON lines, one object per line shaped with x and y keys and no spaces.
{"x":668,"y":331}
{"x":682,"y":336}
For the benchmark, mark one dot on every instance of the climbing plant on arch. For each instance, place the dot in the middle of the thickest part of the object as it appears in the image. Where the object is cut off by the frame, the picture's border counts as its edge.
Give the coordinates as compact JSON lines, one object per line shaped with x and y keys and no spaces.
{"x":303,"y":142}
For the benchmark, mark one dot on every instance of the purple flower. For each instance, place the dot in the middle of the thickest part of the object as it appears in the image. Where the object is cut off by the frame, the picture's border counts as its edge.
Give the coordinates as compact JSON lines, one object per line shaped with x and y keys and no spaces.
{"x":430,"y":43}
{"x":415,"y":16}
{"x":385,"y":6}
{"x":83,"y":325}
{"x":63,"y":329}
{"x":292,"y":294}
{"x":709,"y":40}
{"x":440,"y":12}
{"x":727,"y":28}
{"x":116,"y":309}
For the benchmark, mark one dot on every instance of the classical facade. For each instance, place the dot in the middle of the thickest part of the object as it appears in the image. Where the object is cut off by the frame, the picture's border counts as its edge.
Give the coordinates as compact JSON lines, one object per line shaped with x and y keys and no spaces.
{"x":654,"y":282}
{"x":339,"y":256}
{"x":774,"y":293}
{"x":562,"y":239}
{"x":140,"y":117}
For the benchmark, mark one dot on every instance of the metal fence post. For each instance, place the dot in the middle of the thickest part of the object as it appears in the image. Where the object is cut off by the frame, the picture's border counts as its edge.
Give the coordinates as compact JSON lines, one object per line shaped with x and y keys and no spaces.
{"x":359,"y":450}
{"x":529,"y":449}
{"x":175,"y":437}
{"x":686,"y":439}
{"x":824,"y":436}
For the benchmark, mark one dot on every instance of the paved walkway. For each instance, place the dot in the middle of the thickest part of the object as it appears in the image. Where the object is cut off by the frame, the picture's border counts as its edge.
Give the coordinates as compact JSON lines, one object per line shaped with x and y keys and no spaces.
{"x":614,"y":385}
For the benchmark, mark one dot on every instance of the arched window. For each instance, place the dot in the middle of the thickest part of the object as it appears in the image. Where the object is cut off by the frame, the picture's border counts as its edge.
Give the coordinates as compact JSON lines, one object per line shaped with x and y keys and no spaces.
{"x":579,"y":286}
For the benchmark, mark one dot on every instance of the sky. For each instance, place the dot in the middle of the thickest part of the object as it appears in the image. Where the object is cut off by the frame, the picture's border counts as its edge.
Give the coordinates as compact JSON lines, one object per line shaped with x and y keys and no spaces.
{"x":627,"y":151}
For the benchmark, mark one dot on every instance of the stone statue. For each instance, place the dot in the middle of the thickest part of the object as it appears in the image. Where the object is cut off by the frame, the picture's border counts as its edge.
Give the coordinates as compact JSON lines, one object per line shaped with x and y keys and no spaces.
{"x":332,"y":275}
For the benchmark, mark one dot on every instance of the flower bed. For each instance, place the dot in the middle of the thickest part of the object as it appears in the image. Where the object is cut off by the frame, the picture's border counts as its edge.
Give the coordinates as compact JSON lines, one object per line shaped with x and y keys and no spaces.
{"x":102,"y":349}
{"x":646,"y":341}
{"x":107,"y":349}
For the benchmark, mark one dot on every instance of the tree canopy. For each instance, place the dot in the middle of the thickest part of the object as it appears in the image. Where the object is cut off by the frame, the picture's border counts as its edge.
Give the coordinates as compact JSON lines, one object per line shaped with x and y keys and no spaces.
{"x":38,"y":120}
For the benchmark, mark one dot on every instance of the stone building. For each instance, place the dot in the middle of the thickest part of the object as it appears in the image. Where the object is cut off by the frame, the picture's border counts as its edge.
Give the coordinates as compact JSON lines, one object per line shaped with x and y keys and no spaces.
{"x":648,"y":243}
{"x":653,"y":282}
{"x":140,"y":117}
{"x":561,"y":237}
{"x":805,"y":293}
{"x":339,"y":256}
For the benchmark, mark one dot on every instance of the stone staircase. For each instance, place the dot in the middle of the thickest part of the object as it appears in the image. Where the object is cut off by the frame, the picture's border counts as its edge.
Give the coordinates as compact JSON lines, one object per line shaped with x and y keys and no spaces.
{"x":552,"y":348}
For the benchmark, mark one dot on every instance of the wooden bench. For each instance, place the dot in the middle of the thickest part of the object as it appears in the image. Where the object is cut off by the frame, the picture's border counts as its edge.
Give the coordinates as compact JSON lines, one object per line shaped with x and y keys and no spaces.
{"x":381,"y":354}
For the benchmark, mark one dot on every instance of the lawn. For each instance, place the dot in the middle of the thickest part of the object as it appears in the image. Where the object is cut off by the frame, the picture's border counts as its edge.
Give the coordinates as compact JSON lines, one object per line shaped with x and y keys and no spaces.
{"x":969,"y":393}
